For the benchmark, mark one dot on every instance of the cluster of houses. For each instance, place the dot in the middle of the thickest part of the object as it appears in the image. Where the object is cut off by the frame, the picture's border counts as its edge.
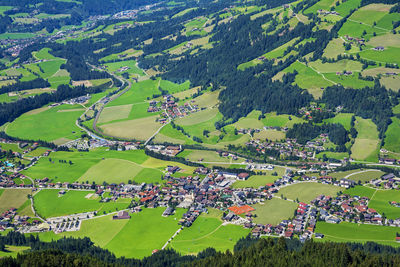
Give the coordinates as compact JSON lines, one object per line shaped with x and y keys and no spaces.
{"x":355,"y":40}
{"x":346,"y":208}
{"x":171,"y":151}
{"x":387,"y":181}
{"x":77,"y":100}
{"x":326,"y":12}
{"x":171,"y":108}
{"x":11,"y":219}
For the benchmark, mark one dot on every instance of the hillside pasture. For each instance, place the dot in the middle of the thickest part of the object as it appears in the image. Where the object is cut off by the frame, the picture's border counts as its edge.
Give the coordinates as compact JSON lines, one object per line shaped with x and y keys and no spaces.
{"x":57,"y":124}
{"x":366,"y":144}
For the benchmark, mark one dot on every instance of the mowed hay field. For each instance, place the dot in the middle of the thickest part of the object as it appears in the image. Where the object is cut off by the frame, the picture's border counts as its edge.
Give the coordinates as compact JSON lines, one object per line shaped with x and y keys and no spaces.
{"x":114,"y":113}
{"x":48,"y":203}
{"x":48,"y":124}
{"x":120,"y":170}
{"x":144,"y":232}
{"x":255,"y":181}
{"x":208,"y":231}
{"x":140,"y":129}
{"x":359,"y":175}
{"x":361,"y":233}
{"x":308,"y":191}
{"x":101,"y":165}
{"x":366,"y":144}
{"x":392,"y":139}
{"x":13,"y":198}
{"x":274,"y":211}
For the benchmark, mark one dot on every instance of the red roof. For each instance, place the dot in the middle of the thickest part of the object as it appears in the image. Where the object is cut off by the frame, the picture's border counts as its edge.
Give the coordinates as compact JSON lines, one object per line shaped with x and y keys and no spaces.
{"x":239,"y":210}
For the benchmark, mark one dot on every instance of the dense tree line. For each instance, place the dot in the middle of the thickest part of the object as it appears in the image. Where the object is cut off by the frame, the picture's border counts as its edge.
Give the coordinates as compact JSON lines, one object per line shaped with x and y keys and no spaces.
{"x":20,"y":86}
{"x":304,"y":132}
{"x":11,"y":111}
{"x":370,"y":102}
{"x":247,"y":252}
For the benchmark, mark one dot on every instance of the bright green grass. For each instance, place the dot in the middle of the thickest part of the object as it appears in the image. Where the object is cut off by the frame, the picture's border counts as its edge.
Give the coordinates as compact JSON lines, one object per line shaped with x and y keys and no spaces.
{"x":138,"y":93}
{"x":49,"y":204}
{"x":82,"y":161}
{"x":144,"y":232}
{"x":44,"y":54}
{"x":366,"y":143}
{"x":274,"y":211}
{"x":308,"y":79}
{"x":57,"y":124}
{"x":207,"y":231}
{"x":183,"y":12}
{"x":360,"y":233}
{"x":380,"y":202}
{"x":355,"y":29}
{"x":50,"y":67}
{"x":114,"y":66}
{"x":118,"y":171}
{"x":333,"y":155}
{"x":21,"y":35}
{"x":361,"y":191}
{"x":345,"y":64}
{"x":389,"y":55}
{"x":342,"y":118}
{"x":13,"y":251}
{"x":207,"y":156}
{"x":350,"y":81}
{"x":272,"y":119}
{"x":323,"y":4}
{"x":10,"y":146}
{"x":255,"y":181}
{"x":171,"y":135}
{"x":308,"y":191}
{"x":359,"y":175}
{"x":334,"y":48}
{"x":393,"y":136}
{"x":345,"y":7}
{"x":173,"y":88}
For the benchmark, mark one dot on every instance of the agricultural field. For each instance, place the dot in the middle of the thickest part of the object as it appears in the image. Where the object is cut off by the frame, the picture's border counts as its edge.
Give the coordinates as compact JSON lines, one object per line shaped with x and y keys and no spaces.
{"x":255,"y":181}
{"x":48,"y":203}
{"x":101,"y":165}
{"x":59,"y":123}
{"x":13,"y":198}
{"x":362,"y":191}
{"x":308,"y":191}
{"x":144,"y":226}
{"x":13,"y":251}
{"x":208,"y":231}
{"x":351,"y":232}
{"x":392,"y":136}
{"x":341,"y":118}
{"x":359,"y":175}
{"x":366,"y":144}
{"x":308,"y":78}
{"x":274,"y":211}
{"x":133,"y":69}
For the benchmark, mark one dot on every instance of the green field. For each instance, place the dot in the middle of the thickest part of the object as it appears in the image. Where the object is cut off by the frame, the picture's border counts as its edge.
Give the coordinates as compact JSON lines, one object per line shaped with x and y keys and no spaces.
{"x":207,"y":156}
{"x":363,"y":175}
{"x":13,"y":251}
{"x":59,"y":123}
{"x":13,"y":198}
{"x":274,"y":211}
{"x":351,"y":232}
{"x":99,"y":165}
{"x":342,"y":118}
{"x":144,"y":232}
{"x":133,"y":68}
{"x":49,"y":204}
{"x":392,"y":136}
{"x":362,"y":191}
{"x":208,"y":231}
{"x":255,"y":181}
{"x":308,"y":191}
{"x":366,"y":144}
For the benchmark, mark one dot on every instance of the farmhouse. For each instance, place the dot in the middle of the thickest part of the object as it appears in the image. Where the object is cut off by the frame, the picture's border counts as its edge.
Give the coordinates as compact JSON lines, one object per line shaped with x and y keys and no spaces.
{"x":121,"y":215}
{"x":379,"y":48}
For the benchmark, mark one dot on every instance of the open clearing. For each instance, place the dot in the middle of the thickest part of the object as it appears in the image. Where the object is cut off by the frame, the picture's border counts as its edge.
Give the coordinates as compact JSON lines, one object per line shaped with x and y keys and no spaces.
{"x":351,"y":232}
{"x":13,"y":198}
{"x":208,"y":231}
{"x":308,"y":191}
{"x":274,"y":211}
{"x":49,"y":204}
{"x":366,"y":144}
{"x":393,"y":136}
